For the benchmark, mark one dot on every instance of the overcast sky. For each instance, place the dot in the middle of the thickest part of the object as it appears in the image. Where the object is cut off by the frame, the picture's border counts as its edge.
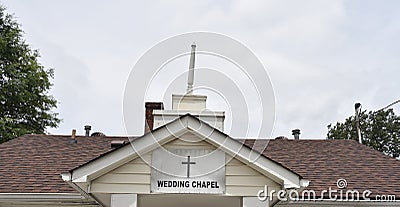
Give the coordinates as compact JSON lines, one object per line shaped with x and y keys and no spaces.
{"x":321,"y":56}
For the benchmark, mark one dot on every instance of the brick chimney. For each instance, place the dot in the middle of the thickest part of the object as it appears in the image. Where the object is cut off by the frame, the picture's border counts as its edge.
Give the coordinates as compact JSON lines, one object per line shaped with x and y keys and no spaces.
{"x":149,"y":118}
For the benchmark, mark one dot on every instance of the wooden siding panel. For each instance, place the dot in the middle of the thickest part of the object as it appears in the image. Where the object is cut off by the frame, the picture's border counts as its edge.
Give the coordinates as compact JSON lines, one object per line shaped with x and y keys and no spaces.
{"x":134,"y":176}
{"x":133,"y":168}
{"x":189,"y":141}
{"x":246,"y":191}
{"x":124,"y":178}
{"x":240,"y":170}
{"x":119,"y":188}
{"x":242,"y":180}
{"x":257,"y":180}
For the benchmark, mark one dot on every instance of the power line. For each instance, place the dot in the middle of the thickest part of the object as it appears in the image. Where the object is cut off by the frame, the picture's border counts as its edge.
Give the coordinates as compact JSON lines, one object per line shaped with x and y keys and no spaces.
{"x":386,"y":107}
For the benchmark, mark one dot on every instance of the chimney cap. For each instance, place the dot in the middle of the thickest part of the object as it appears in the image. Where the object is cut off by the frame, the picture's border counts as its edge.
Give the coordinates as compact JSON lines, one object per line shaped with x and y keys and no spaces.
{"x":158,"y":105}
{"x":296,"y":131}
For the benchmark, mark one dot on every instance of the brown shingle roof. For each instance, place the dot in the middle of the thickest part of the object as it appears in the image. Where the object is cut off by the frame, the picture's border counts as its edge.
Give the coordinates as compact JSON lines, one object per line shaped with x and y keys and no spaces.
{"x":323,"y":162}
{"x":33,"y":163}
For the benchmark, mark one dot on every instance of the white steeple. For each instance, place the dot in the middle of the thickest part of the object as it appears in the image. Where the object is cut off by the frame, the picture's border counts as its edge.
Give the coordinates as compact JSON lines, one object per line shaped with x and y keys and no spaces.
{"x":191,"y":70}
{"x":190,"y":103}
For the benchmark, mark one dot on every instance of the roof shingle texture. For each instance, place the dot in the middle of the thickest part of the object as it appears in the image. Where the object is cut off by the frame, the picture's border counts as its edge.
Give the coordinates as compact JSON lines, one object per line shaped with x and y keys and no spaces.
{"x":323,"y":162}
{"x":33,"y":163}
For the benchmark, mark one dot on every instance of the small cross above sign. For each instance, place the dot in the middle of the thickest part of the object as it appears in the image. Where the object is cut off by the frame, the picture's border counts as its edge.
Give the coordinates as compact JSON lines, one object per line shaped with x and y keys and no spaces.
{"x":188,"y":163}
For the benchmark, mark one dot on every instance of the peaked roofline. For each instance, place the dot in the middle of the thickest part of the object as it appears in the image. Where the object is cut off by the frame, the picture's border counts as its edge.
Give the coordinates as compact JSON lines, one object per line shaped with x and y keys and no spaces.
{"x":117,"y":157}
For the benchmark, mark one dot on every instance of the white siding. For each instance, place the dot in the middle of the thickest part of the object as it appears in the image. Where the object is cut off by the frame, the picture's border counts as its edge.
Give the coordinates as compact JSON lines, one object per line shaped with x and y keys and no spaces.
{"x":134,"y":176}
{"x":189,"y":141}
{"x":242,"y":180}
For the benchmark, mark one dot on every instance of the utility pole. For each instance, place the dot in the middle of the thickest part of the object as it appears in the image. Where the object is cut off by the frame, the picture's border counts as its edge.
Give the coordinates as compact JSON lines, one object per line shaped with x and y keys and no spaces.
{"x":357,"y":108}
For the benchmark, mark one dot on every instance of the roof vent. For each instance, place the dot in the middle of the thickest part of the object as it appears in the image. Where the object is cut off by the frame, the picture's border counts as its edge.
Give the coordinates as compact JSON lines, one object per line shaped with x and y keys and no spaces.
{"x":281,"y":138}
{"x":117,"y":143}
{"x":98,"y":134}
{"x":73,"y":137}
{"x":87,"y":130}
{"x":296,"y":134}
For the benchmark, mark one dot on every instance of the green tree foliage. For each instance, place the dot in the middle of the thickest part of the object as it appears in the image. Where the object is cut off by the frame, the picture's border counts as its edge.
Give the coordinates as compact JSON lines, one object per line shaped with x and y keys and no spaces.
{"x":25,"y":106}
{"x":380,"y":130}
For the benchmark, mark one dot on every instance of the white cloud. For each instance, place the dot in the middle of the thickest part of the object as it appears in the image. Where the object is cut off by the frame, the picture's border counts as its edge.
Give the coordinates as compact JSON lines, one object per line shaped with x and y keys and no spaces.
{"x":322,"y":56}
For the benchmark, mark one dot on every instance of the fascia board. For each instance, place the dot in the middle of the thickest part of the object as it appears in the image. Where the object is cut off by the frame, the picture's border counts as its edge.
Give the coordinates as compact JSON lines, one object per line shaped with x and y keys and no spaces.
{"x":274,"y":170}
{"x":128,"y":152}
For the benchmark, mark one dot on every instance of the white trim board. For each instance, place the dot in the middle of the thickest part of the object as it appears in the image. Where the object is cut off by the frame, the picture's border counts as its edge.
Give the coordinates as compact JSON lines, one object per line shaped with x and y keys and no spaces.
{"x":171,"y":131}
{"x":45,"y":199}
